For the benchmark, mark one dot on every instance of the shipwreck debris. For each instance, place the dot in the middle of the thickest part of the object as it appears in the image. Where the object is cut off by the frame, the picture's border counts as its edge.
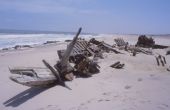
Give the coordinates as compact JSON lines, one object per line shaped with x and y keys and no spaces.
{"x":117,"y":65}
{"x":120,"y":42}
{"x":104,"y":46}
{"x":62,"y":71}
{"x":144,"y":41}
{"x":32,"y":76}
{"x":168,"y":52}
{"x":160,"y":59}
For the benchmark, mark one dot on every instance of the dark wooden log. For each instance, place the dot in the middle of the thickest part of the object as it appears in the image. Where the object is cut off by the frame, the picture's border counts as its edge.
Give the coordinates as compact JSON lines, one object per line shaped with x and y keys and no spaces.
{"x":162,"y":62}
{"x":115,"y":64}
{"x":94,"y":41}
{"x":159,"y":46}
{"x":157,"y":61}
{"x":164,"y":59}
{"x":54,"y":72}
{"x":119,"y":66}
{"x":69,"y":49}
{"x":109,"y":47}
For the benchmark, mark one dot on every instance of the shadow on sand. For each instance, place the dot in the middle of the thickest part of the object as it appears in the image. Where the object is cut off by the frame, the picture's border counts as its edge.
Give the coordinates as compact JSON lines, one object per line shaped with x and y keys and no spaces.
{"x":24,"y":96}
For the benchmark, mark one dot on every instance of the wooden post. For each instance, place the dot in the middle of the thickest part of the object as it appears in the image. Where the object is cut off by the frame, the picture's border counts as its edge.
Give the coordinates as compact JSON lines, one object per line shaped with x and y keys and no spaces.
{"x":115,"y":64}
{"x":162,"y":62}
{"x":164,"y":59}
{"x":157,"y":61}
{"x":69,"y":49}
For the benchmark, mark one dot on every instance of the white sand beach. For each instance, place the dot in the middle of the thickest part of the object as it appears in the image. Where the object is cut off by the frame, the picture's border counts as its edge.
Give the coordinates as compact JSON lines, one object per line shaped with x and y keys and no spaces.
{"x":140,"y":85}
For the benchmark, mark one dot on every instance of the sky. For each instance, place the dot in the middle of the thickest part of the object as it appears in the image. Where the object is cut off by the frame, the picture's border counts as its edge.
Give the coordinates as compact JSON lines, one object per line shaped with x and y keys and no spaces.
{"x":94,"y":16}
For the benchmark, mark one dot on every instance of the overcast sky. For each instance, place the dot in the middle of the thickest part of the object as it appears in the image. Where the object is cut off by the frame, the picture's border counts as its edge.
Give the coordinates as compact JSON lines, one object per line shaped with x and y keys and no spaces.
{"x":96,"y":16}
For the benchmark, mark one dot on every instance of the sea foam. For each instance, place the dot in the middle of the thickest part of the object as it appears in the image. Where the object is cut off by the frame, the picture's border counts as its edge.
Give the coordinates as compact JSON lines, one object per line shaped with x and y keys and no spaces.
{"x":10,"y":40}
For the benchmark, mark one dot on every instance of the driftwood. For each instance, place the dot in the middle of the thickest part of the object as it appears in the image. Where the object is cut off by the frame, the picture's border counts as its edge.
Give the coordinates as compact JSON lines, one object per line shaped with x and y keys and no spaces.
{"x":132,"y":49}
{"x":104,"y":46}
{"x":164,"y":59}
{"x":160,"y":59}
{"x":67,"y":53}
{"x":157,"y":60}
{"x":86,"y":66}
{"x":113,"y":65}
{"x":117,"y":65}
{"x":63,"y":66}
{"x":54,"y":72}
{"x":156,"y":46}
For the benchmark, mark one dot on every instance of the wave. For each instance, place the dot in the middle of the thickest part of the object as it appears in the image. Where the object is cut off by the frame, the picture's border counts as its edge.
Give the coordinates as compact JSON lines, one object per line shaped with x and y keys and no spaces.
{"x":10,"y":40}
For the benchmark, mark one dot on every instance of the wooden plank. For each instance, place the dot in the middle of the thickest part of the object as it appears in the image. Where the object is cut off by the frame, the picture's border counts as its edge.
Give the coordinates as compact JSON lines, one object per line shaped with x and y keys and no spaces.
{"x":54,"y":72}
{"x":84,"y":44}
{"x":91,"y":52}
{"x":80,"y":44}
{"x":157,"y":60}
{"x":115,"y":64}
{"x":164,"y":59}
{"x":78,"y":47}
{"x":69,"y":49}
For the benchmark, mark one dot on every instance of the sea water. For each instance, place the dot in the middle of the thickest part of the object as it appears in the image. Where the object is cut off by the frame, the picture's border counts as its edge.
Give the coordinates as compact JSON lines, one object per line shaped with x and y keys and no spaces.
{"x":8,"y":40}
{"x":11,"y":40}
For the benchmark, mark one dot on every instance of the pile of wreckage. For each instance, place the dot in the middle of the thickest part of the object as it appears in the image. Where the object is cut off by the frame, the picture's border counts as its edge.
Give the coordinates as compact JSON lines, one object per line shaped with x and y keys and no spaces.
{"x":144,"y":45}
{"x":80,"y":59}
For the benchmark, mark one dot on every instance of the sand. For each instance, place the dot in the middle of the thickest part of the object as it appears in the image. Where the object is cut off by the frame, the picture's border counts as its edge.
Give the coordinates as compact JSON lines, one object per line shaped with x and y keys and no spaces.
{"x":140,"y":85}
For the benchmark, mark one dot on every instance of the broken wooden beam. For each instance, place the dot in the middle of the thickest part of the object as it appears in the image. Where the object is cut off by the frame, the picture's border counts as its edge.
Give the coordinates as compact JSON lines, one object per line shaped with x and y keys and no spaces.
{"x":69,"y":49}
{"x":113,"y":65}
{"x":54,"y":72}
{"x":157,"y":60}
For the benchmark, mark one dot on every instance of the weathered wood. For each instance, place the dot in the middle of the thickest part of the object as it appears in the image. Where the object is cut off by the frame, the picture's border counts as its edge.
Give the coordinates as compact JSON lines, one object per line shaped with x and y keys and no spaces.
{"x":162,"y":62}
{"x":32,"y":76}
{"x":115,"y":64}
{"x":60,"y":53}
{"x":54,"y":72}
{"x":80,"y":44}
{"x":157,"y":60}
{"x":119,"y":66}
{"x":69,"y":49}
{"x":164,"y":59}
{"x":120,"y":42}
{"x":91,"y":52}
{"x":110,"y":48}
{"x":85,"y":43}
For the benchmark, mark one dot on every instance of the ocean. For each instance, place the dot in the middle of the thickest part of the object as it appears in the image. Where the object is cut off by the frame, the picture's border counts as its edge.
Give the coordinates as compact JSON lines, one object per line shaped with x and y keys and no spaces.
{"x":11,"y":39}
